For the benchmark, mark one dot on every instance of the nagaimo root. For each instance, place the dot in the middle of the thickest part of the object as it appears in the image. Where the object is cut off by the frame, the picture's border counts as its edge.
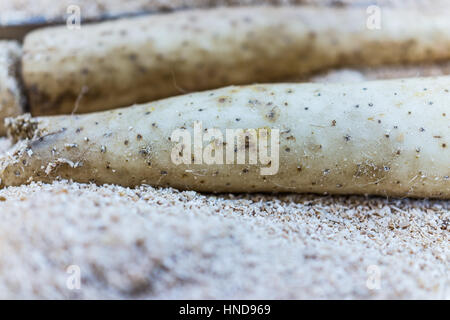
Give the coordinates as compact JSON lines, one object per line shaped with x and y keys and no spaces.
{"x":136,"y":60}
{"x":386,"y":138}
{"x":11,"y":99}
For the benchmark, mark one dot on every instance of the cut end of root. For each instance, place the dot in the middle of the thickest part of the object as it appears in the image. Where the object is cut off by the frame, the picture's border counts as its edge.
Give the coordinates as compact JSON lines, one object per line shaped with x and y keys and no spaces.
{"x":10,"y":163}
{"x":21,"y":128}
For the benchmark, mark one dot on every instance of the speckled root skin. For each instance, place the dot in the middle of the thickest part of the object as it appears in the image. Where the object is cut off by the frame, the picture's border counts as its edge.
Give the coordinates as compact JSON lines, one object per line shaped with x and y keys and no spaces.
{"x":137,"y":60}
{"x":11,"y":98}
{"x":383,"y":137}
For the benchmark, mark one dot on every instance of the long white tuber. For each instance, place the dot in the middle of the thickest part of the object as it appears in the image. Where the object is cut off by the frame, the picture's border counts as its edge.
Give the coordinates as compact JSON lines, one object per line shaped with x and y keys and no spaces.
{"x":387,"y":138}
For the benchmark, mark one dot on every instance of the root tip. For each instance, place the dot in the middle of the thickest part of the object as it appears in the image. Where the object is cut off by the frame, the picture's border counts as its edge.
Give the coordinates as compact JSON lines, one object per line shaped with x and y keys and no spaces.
{"x":21,"y":128}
